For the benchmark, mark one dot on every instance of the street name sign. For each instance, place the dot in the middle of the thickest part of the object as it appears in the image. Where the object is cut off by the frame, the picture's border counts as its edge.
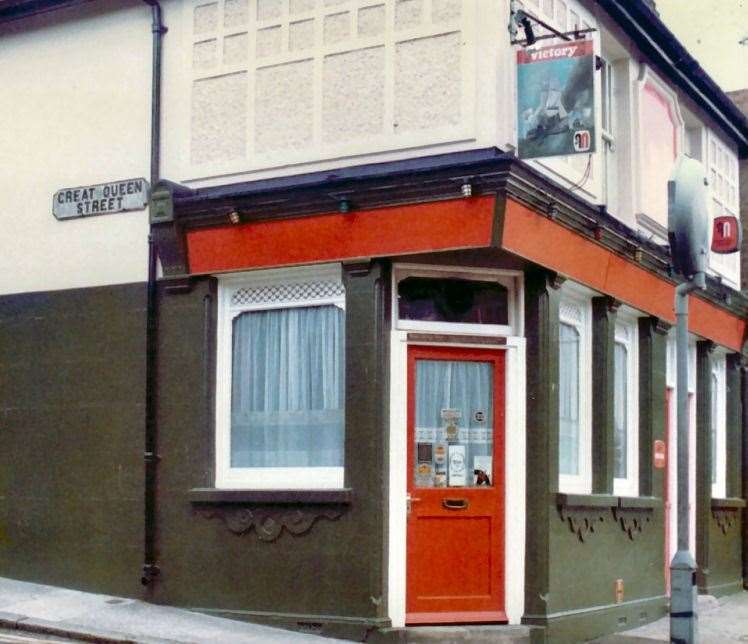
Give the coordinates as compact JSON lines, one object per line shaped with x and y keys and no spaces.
{"x":100,"y":199}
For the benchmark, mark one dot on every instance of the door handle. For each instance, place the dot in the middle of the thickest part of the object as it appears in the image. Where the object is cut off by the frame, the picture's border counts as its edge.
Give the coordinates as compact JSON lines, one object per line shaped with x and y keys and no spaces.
{"x":455,"y":504}
{"x":409,"y":502}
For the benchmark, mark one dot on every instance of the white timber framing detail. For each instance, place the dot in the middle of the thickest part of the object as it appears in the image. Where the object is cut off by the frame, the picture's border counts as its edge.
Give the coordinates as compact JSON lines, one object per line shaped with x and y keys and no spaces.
{"x":282,"y":83}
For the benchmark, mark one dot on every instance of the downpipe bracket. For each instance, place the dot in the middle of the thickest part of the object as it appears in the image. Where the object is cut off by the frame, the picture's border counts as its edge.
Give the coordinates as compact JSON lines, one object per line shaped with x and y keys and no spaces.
{"x":150,"y":572}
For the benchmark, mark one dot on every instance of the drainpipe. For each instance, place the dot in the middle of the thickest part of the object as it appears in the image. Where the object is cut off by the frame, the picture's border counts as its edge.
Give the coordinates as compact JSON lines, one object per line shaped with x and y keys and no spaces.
{"x":150,"y":567}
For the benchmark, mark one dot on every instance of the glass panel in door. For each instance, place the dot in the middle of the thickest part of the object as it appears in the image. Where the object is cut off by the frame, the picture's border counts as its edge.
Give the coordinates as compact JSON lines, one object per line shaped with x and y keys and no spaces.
{"x":453,"y":424}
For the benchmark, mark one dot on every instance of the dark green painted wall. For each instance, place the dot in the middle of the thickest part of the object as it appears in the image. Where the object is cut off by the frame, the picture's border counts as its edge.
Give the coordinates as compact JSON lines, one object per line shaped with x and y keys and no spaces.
{"x":71,"y":437}
{"x":71,"y":468}
{"x":71,"y":457}
{"x":569,"y":568}
{"x":719,"y":541}
{"x":336,"y":569}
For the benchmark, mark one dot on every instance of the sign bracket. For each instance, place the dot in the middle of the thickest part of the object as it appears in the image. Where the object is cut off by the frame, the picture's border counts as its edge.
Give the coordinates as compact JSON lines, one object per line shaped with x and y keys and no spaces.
{"x":566,"y":35}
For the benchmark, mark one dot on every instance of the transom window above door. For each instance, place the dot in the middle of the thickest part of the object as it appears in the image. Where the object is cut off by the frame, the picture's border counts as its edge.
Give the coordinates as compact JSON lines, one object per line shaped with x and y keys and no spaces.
{"x":456,"y":300}
{"x":453,"y":300}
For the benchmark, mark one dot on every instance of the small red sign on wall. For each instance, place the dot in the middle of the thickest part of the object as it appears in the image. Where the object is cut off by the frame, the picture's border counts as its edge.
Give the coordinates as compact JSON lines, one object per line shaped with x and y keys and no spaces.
{"x":726,"y":235}
{"x":660,"y":455}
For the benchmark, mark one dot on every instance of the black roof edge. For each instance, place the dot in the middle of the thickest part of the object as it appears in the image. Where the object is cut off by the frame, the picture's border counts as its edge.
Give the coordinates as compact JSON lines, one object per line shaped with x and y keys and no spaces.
{"x":16,"y":9}
{"x":435,"y":177}
{"x":338,"y":183}
{"x":642,"y":24}
{"x":332,"y":180}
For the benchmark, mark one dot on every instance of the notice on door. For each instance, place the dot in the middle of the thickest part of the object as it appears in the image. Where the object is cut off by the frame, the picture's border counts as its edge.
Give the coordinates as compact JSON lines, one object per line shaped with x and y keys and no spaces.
{"x":100,"y":199}
{"x":457,"y":469}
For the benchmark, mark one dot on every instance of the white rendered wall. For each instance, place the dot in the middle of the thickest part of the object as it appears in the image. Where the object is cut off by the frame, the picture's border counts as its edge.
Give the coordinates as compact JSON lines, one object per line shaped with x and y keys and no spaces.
{"x":75,"y":106}
{"x":252,"y":89}
{"x":264,"y":88}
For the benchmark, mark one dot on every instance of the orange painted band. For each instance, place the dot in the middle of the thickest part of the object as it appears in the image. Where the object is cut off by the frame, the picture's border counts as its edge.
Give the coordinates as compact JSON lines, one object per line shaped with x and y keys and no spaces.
{"x":396,"y":230}
{"x":535,"y":237}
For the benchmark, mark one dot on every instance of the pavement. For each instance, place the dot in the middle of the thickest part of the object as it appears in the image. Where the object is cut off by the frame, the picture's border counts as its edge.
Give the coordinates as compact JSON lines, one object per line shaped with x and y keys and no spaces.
{"x":720,"y":621}
{"x":33,"y":613}
{"x":50,"y":612}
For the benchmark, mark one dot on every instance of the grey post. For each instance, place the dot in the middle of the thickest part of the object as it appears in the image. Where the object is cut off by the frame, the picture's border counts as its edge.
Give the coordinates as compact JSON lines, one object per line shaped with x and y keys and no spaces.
{"x":683,"y":617}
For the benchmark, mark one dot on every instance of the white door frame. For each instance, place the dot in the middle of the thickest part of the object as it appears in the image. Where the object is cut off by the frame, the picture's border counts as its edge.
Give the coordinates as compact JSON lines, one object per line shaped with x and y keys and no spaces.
{"x":515,"y":458}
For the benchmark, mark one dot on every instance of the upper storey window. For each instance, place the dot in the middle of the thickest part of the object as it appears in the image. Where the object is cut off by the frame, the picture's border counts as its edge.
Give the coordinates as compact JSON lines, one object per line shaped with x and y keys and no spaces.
{"x":722,"y":165}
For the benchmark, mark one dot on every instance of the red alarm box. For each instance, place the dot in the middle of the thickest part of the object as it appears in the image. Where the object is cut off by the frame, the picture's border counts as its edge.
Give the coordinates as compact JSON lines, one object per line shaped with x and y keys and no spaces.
{"x":726,"y":235}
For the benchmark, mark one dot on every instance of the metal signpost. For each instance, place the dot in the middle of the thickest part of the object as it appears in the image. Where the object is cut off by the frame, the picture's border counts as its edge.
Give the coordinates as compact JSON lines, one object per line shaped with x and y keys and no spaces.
{"x":689,"y":233}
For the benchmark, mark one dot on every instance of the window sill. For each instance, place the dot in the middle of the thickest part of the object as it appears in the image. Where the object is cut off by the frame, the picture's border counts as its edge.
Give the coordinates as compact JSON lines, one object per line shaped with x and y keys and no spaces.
{"x":729,"y":503}
{"x":607,"y":501}
{"x":645,"y":502}
{"x":587,"y":500}
{"x":206,"y":496}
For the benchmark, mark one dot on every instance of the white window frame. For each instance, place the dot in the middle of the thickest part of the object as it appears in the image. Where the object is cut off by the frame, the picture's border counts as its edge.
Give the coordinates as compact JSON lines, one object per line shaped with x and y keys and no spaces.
{"x":627,"y":334}
{"x":575,"y":309}
{"x":264,"y":478}
{"x":607,"y":137}
{"x":718,"y":371}
{"x":721,"y":162}
{"x":511,"y":280}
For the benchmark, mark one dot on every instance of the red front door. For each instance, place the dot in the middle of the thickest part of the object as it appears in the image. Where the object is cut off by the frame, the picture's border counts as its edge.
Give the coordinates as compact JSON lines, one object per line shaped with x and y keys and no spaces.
{"x":455,"y":548}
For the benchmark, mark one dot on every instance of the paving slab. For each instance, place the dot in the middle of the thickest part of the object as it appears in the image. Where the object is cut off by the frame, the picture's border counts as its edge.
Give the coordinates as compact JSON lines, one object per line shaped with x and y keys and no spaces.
{"x":720,"y":621}
{"x":106,"y":619}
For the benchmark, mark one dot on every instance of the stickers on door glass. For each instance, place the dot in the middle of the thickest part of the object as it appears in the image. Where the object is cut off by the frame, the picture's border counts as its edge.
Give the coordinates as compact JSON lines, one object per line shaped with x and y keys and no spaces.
{"x":424,"y":465}
{"x":451,"y":418}
{"x":457,"y":476}
{"x":482,"y":470}
{"x":440,"y":465}
{"x":453,"y":455}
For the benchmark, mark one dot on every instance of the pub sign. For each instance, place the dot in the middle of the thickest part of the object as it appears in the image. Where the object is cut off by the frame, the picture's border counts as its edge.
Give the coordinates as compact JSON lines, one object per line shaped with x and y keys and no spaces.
{"x":556,"y":100}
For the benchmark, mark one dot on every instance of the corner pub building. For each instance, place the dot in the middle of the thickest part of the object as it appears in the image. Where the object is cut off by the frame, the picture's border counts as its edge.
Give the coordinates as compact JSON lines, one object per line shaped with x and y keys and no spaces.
{"x":383,"y":372}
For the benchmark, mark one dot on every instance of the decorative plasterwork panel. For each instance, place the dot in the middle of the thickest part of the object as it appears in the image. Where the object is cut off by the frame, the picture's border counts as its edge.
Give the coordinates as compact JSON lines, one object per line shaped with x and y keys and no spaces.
{"x":283,"y":293}
{"x":582,"y":520}
{"x":725,"y":518}
{"x":273,"y":82}
{"x":571,"y":313}
{"x":632,"y":520}
{"x":269,"y":521}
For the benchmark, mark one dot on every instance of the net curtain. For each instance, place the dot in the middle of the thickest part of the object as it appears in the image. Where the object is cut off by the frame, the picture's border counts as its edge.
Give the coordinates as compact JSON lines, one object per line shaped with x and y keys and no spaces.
{"x":568,"y":389}
{"x":463,"y":386}
{"x":287,"y":393}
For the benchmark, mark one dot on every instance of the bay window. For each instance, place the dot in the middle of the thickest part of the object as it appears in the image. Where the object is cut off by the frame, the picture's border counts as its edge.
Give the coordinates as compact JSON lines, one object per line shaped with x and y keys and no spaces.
{"x":574,"y":388}
{"x":626,"y":422}
{"x":718,"y":428}
{"x":280,"y":395}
